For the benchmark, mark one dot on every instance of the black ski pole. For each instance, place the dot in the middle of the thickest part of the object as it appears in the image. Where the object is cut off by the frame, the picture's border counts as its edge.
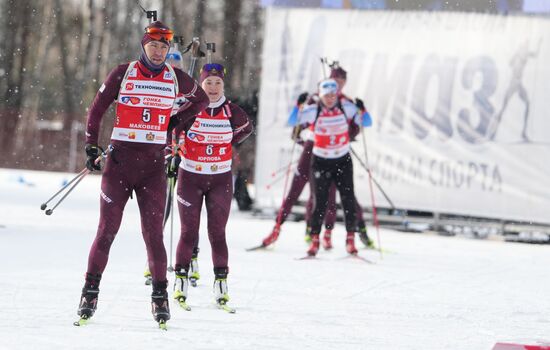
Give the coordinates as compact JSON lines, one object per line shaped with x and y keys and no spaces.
{"x":77,"y":178}
{"x":373,"y":179}
{"x":80,"y":174}
{"x":50,"y":211}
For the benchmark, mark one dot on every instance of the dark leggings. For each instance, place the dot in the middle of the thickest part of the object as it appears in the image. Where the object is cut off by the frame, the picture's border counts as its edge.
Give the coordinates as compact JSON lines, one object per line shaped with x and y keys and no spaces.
{"x":131,"y":168}
{"x":324,"y":173}
{"x":217,"y":191}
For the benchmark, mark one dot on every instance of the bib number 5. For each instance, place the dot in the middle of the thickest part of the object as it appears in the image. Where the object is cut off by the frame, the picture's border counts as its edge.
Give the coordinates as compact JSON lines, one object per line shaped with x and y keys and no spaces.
{"x":146,"y":116}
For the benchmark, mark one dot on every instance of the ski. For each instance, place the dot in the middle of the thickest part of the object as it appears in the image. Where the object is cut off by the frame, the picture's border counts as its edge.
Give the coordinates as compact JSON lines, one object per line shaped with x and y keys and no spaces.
{"x":162,"y":324}
{"x":82,"y":321}
{"x":359,"y":257}
{"x":259,"y":247}
{"x":308,"y":257}
{"x":183,"y":304}
{"x":226,"y":308}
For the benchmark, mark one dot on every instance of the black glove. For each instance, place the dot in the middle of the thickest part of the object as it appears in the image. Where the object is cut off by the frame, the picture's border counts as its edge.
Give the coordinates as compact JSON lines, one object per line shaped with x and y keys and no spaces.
{"x":172,"y":165}
{"x":93,"y":152}
{"x":302,"y":98}
{"x":359,"y":103}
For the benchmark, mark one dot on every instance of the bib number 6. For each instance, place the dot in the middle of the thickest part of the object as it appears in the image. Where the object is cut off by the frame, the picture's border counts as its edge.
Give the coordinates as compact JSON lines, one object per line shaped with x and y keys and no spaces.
{"x":209,"y":149}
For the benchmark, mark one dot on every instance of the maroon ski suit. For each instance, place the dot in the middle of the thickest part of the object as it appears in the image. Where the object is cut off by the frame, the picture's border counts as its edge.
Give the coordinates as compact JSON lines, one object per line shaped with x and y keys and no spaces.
{"x":134,"y":167}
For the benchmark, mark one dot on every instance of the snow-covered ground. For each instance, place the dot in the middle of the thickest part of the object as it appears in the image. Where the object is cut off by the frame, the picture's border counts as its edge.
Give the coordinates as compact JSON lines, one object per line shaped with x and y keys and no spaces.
{"x":428,"y":292}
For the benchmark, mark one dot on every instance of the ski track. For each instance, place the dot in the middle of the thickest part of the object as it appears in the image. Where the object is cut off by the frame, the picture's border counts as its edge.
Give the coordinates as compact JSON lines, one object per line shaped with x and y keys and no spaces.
{"x":432,"y":292}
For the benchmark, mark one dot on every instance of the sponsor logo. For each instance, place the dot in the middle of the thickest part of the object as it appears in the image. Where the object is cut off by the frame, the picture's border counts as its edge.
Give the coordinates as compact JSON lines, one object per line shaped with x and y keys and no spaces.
{"x":150,"y":137}
{"x":211,"y":125}
{"x":129,"y":86}
{"x":167,"y":76}
{"x":196,"y":124}
{"x":214,"y":168}
{"x":152,"y":99}
{"x":193,"y":135}
{"x":133,"y":73}
{"x":152,"y":87}
{"x":105,"y":198}
{"x":198,"y":167}
{"x":132,"y":135}
{"x":130,"y":99}
{"x":184,"y":202}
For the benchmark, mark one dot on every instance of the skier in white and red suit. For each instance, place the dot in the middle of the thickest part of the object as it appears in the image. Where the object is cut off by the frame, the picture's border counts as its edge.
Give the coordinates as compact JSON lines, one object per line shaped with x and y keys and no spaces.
{"x":302,"y":174}
{"x":144,"y":91}
{"x":334,"y":122}
{"x":205,"y":175}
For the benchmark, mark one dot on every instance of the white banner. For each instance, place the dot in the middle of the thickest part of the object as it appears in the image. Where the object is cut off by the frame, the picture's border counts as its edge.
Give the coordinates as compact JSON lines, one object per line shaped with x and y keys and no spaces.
{"x":459,"y":102}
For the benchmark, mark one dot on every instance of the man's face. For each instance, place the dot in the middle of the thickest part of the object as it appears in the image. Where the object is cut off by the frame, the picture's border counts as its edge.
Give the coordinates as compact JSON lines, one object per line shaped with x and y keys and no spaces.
{"x":156,"y":51}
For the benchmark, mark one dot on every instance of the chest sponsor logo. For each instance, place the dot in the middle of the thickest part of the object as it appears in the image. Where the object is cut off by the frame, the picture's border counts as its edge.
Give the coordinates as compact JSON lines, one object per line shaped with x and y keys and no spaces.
{"x":196,"y":124}
{"x":130,"y":99}
{"x":132,"y":135}
{"x":214,"y":168}
{"x":133,"y":73}
{"x":129,"y":86}
{"x":198,"y":167}
{"x":193,"y":136}
{"x":150,"y":137}
{"x":167,"y":76}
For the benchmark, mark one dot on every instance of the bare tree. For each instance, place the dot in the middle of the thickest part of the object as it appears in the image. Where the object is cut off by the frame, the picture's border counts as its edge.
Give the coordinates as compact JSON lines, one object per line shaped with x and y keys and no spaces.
{"x":232,"y":30}
{"x":14,"y":62}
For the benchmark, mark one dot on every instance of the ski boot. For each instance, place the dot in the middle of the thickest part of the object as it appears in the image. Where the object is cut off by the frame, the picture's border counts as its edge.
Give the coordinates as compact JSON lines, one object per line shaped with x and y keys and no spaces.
{"x":272,"y":236}
{"x":314,"y":246}
{"x":88,"y":299}
{"x":307,"y":237}
{"x":159,"y":303}
{"x":350,"y":243}
{"x":364,"y":237}
{"x":148,"y":277}
{"x":194,"y":274}
{"x":327,"y":239}
{"x":181,"y":285}
{"x":220,"y":289}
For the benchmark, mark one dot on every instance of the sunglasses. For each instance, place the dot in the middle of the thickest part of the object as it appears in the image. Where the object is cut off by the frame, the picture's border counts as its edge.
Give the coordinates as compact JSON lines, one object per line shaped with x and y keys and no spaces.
{"x":213,"y":66}
{"x":160,"y":33}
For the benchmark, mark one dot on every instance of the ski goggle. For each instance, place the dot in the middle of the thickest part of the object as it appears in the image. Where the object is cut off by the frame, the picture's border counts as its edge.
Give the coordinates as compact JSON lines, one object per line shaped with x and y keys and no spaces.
{"x":214,"y":68}
{"x":160,"y":33}
{"x":176,"y":56}
{"x":328,"y":87}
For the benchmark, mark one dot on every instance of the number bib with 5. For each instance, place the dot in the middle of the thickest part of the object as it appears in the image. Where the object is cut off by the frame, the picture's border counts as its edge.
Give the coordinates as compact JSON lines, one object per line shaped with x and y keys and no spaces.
{"x":144,"y":106}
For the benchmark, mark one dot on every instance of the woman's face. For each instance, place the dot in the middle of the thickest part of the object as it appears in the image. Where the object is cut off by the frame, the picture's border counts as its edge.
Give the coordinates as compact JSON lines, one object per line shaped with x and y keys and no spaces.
{"x":329,"y":100}
{"x":213,"y":86}
{"x":156,"y":51}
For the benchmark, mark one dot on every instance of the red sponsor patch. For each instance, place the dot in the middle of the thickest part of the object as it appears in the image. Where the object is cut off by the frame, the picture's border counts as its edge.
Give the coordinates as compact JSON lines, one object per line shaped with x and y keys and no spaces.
{"x":129,"y":86}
